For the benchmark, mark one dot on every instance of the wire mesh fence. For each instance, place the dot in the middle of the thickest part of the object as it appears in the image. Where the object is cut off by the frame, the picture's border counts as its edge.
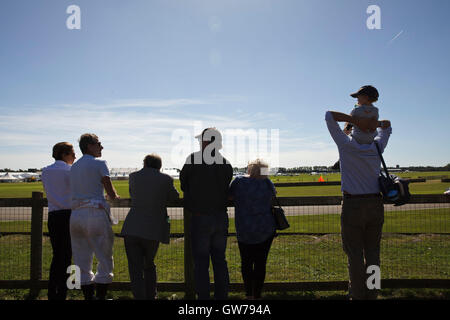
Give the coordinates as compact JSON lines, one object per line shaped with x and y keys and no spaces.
{"x":415,"y":244}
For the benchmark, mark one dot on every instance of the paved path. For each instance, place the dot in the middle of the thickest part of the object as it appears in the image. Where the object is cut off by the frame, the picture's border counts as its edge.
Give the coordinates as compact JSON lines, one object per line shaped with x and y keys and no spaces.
{"x":21,"y":213}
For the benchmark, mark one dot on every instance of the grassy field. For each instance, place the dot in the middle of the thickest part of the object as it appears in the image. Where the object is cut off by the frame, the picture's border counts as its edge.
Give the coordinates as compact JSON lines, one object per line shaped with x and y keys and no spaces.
{"x":432,"y":186}
{"x":292,"y":258}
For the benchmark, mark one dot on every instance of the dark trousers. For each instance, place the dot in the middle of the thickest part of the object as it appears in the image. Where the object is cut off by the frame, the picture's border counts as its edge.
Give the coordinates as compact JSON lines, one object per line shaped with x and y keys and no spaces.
{"x":59,"y":230}
{"x":253,"y":266}
{"x":209,"y":239}
{"x":361,"y":226}
{"x":141,"y":255}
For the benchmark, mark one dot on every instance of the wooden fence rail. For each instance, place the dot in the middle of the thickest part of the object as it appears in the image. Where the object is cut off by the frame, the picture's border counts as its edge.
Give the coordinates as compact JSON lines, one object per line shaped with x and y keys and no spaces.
{"x":37,"y":203}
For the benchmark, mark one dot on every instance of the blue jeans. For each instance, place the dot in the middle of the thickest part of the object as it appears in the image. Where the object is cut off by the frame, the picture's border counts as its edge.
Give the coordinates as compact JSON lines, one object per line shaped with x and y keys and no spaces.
{"x":209,"y":238}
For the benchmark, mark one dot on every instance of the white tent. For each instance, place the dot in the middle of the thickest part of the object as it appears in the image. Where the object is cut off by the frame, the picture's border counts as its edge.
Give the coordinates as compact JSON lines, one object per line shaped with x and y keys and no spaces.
{"x":8,"y":178}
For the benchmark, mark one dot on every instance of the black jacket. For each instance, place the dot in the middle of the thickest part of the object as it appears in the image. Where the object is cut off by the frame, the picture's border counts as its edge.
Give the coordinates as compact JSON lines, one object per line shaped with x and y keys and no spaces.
{"x":205,"y":186}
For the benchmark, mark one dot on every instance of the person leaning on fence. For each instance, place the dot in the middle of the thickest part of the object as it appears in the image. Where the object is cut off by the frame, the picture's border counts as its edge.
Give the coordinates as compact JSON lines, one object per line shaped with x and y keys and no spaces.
{"x":56,"y":181}
{"x":362,"y":215}
{"x":146,"y":224}
{"x":255,"y":224}
{"x":90,"y":223}
{"x":205,"y":178}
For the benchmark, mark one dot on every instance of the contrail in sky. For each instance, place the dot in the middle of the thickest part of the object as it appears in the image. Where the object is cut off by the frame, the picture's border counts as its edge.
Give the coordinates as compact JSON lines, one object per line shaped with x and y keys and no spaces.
{"x":396,"y":36}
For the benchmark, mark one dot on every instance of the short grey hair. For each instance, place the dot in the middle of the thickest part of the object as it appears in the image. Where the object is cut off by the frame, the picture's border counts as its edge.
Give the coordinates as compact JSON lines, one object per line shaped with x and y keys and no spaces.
{"x":85,"y":140}
{"x":258,"y":169}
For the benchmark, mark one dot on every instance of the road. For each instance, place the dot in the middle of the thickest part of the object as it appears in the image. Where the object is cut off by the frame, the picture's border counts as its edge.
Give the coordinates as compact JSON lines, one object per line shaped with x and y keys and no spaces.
{"x":24,"y":214}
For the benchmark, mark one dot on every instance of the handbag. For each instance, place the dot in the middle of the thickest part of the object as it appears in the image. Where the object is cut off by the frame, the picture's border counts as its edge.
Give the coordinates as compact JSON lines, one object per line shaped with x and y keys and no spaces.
{"x":393,"y":188}
{"x":281,"y":222}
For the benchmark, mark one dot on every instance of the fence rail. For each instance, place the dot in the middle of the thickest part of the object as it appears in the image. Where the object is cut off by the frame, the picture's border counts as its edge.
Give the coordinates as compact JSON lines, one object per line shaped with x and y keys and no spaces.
{"x":310,"y":250}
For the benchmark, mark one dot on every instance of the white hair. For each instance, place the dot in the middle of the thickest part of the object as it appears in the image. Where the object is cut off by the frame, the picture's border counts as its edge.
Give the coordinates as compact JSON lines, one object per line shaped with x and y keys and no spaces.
{"x":258,"y":169}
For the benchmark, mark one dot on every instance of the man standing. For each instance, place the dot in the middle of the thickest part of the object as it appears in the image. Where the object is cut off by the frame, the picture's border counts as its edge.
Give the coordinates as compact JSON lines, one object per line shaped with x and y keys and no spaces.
{"x":362,"y":215}
{"x":90,"y":223}
{"x":56,"y":181}
{"x":146,"y":224}
{"x":205,"y":178}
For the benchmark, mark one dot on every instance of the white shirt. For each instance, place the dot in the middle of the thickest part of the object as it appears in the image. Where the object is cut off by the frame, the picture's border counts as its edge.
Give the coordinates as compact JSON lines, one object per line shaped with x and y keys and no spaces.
{"x":86,"y":178}
{"x":360,"y":163}
{"x":56,"y":180}
{"x":364,"y":111}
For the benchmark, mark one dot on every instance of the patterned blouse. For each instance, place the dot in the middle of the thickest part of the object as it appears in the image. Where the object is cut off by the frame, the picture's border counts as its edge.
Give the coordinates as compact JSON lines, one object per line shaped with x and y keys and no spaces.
{"x":253,"y":217}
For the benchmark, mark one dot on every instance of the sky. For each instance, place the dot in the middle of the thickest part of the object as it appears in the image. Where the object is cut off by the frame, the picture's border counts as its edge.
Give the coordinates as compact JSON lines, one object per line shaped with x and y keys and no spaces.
{"x":146,"y":76}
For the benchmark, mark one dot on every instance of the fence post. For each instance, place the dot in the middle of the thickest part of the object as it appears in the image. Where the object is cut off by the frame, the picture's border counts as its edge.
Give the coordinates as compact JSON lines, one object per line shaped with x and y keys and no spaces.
{"x":188,"y":260}
{"x":37,"y":212}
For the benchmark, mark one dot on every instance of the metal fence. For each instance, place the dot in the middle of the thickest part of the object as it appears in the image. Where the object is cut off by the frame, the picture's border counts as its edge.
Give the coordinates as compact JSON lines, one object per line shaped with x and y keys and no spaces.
{"x":415,"y":246}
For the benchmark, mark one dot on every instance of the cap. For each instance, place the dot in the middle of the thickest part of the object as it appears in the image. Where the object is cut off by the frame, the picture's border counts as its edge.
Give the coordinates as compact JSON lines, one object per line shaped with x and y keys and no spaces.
{"x":370,"y":91}
{"x":212,"y":132}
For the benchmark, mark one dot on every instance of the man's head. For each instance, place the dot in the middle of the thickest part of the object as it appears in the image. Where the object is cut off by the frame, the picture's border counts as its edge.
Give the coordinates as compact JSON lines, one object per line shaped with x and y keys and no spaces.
{"x":64,"y":151}
{"x":208,"y":136}
{"x":153,"y":161}
{"x":366,"y":95}
{"x":89,"y":144}
{"x":258,"y":169}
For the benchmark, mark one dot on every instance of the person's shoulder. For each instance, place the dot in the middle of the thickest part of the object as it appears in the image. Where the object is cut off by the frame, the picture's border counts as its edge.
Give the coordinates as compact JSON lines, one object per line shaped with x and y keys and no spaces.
{"x":47,"y":168}
{"x":165,"y":176}
{"x":99,"y":161}
{"x":239,"y":179}
{"x":134,"y":173}
{"x":190,"y":158}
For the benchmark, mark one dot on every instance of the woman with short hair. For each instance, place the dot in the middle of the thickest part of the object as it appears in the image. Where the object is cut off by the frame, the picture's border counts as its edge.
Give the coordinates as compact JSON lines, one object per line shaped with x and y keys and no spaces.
{"x":255,"y":225}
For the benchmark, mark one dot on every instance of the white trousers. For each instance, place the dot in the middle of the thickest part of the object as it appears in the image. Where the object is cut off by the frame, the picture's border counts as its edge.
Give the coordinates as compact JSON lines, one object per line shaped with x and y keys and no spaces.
{"x":91,"y":232}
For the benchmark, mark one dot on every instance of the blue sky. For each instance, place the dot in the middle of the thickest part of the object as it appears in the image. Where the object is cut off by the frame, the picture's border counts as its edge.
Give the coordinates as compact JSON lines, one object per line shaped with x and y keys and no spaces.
{"x":138,"y":71}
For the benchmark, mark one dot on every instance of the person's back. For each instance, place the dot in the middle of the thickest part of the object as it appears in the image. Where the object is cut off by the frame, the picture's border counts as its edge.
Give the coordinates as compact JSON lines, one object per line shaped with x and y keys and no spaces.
{"x":205,"y":178}
{"x":146,"y":224}
{"x":205,"y":186}
{"x":149,"y":192}
{"x":87,"y":168}
{"x":253,"y":217}
{"x":362,"y":214}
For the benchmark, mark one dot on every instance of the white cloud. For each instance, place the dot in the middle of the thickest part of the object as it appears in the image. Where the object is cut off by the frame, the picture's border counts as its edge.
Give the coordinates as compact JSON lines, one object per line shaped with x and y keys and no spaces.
{"x":128,"y":135}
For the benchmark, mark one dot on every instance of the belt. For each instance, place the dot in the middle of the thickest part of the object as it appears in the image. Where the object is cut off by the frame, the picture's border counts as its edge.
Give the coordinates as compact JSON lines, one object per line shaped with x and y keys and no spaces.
{"x":360,"y":196}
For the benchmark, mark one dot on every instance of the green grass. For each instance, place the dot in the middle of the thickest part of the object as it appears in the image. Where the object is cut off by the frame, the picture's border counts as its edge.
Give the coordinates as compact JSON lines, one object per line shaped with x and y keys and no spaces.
{"x":291,"y":259}
{"x":24,"y":189}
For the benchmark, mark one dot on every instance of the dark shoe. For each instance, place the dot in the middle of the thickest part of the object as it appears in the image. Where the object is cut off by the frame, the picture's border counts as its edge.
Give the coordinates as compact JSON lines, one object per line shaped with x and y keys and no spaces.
{"x":88,"y":291}
{"x":102,"y":288}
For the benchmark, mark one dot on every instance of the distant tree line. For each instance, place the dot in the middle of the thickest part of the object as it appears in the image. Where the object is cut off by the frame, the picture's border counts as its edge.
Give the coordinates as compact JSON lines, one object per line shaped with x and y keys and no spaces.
{"x":336,"y":168}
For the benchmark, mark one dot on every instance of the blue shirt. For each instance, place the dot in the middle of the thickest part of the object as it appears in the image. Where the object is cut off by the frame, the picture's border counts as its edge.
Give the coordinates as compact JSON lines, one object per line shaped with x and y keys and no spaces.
{"x":360,"y":163}
{"x":253,"y":217}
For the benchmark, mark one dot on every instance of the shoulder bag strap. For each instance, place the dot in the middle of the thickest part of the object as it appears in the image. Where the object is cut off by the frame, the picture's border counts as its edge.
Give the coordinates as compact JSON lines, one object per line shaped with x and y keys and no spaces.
{"x":273,"y":193}
{"x":382,"y":160}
